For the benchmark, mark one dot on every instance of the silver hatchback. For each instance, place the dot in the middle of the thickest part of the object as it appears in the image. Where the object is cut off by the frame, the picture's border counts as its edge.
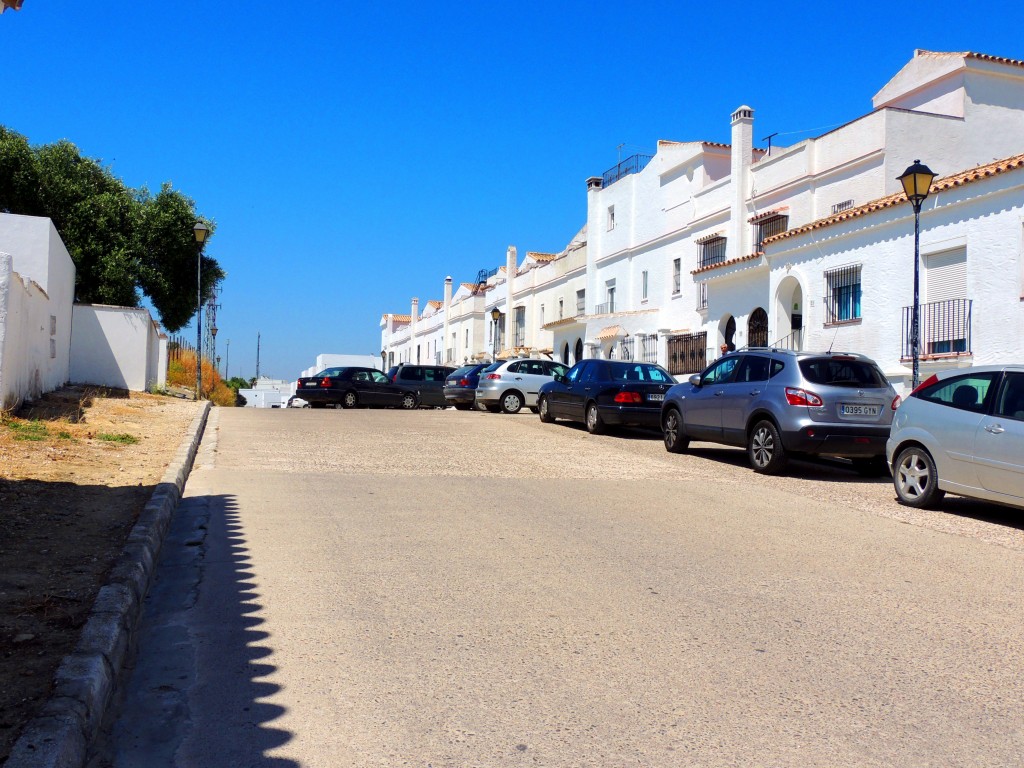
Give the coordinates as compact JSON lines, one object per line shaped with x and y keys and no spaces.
{"x":508,"y":385}
{"x":961,"y":431}
{"x":779,"y":402}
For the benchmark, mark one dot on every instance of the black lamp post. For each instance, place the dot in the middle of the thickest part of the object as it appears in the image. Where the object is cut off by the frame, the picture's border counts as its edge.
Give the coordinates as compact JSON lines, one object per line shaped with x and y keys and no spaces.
{"x":495,"y":317}
{"x":201,"y":232}
{"x":916,"y":181}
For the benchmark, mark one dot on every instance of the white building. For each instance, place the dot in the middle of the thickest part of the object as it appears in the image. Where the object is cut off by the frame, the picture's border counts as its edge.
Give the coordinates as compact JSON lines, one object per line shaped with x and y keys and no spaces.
{"x":806,"y":246}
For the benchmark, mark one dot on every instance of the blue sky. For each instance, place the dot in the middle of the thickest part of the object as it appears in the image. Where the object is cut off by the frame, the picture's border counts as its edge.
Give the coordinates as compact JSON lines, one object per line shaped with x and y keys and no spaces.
{"x":354,"y":154}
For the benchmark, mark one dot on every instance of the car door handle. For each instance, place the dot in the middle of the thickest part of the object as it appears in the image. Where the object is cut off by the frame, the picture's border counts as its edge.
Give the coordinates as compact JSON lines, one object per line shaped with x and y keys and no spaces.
{"x":719,"y":393}
{"x":995,"y":429}
{"x":755,"y":392}
{"x":519,"y":378}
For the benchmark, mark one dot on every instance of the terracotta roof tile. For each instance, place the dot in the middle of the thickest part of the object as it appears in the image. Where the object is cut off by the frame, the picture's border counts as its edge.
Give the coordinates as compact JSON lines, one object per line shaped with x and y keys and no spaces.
{"x":435,"y":303}
{"x":610,"y":332}
{"x":542,"y":256}
{"x":402,"y":318}
{"x":709,"y":238}
{"x":947,"y":182}
{"x":764,"y":215}
{"x":729,"y":263}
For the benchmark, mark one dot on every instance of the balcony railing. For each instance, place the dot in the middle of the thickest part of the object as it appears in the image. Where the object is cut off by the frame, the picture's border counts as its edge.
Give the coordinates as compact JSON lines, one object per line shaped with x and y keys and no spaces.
{"x":581,"y":307}
{"x":794,"y":341}
{"x":945,"y":329}
{"x":605,"y":309}
{"x":630,"y":165}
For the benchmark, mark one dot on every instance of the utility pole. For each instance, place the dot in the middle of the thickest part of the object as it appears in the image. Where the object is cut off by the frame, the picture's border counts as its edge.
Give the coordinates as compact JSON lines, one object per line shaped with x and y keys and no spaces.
{"x":227,"y":362}
{"x":257,"y":355}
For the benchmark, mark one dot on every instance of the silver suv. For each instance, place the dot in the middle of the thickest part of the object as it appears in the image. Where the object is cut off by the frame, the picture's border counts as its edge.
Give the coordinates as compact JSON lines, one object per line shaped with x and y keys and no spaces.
{"x":508,"y":385}
{"x":778,"y":402}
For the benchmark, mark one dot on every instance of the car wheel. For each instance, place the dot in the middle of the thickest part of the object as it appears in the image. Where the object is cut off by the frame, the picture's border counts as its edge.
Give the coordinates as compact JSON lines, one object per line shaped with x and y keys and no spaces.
{"x":672,"y":432}
{"x":463,"y":406}
{"x":350,"y":400}
{"x":916,"y":479}
{"x":767,"y":456}
{"x":512,"y":402}
{"x":492,"y":408}
{"x":595,"y":425}
{"x":409,"y":401}
{"x":544,"y":411}
{"x":534,"y":408}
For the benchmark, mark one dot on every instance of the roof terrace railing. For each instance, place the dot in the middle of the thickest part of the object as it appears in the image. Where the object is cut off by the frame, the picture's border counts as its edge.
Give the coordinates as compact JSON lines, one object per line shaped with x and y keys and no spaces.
{"x":630,"y":165}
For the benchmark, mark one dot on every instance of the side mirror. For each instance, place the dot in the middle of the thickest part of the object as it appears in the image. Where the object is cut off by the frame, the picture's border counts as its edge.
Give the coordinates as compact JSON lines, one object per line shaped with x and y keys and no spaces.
{"x":560,"y":378}
{"x":695,"y":380}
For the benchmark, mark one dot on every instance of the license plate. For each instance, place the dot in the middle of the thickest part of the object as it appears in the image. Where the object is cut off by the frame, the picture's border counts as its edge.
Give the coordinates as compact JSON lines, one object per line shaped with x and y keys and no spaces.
{"x":846,"y":409}
{"x":309,"y":383}
{"x":655,"y":397}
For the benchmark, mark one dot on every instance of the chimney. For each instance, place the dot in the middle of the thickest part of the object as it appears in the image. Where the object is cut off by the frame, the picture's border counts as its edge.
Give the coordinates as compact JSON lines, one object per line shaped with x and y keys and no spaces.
{"x":741,"y":155}
{"x":447,"y":314}
{"x":510,"y":281}
{"x":414,"y":315}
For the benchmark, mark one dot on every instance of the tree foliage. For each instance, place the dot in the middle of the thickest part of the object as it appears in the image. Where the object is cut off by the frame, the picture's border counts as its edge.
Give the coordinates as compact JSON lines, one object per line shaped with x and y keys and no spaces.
{"x":125,"y":243}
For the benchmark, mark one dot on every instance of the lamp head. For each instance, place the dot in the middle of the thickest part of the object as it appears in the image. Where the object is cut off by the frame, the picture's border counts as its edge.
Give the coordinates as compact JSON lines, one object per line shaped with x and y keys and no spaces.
{"x":917,"y":181}
{"x":201,"y":232}
{"x":495,"y":314}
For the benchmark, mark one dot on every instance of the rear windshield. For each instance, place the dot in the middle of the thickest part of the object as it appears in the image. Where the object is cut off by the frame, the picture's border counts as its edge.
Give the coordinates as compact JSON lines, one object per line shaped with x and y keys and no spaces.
{"x":493,"y":366}
{"x":639,"y":372}
{"x":837,"y":372}
{"x":463,"y":371}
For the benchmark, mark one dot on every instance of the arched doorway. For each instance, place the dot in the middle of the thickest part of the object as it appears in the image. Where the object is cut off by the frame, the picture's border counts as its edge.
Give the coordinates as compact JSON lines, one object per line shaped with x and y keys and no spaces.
{"x":757,"y":328}
{"x":565,"y":353}
{"x":729,"y":334}
{"x":789,"y":314}
{"x":579,"y":350}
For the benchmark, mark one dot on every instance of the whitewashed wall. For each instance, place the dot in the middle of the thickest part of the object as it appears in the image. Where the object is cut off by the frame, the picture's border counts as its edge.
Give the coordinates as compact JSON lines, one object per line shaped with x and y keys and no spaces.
{"x":37,"y":281}
{"x":119,"y":347}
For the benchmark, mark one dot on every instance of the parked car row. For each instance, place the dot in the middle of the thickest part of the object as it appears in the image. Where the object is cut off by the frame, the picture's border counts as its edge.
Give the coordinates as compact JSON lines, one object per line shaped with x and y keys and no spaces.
{"x":961,"y":431}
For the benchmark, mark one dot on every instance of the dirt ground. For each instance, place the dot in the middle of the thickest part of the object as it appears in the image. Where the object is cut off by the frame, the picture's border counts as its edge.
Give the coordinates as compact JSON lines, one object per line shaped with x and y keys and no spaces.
{"x":76,"y":469}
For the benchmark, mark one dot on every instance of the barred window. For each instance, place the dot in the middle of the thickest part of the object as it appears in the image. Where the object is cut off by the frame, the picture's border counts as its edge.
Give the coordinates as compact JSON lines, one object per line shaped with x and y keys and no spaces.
{"x":842,"y":294}
{"x":702,"y":295}
{"x":677,"y":272}
{"x":776,"y":225}
{"x":712,"y":251}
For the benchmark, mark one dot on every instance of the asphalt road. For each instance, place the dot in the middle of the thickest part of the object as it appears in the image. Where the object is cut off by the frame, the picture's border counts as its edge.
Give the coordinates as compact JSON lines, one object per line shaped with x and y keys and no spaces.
{"x":447,"y":588}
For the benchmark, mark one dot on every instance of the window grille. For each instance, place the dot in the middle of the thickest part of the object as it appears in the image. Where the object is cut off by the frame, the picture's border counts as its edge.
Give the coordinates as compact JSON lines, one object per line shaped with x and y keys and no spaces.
{"x":676,"y":275}
{"x":842,"y":294}
{"x":702,"y":295}
{"x":649,"y":348}
{"x":712,"y":251}
{"x":843,"y":206}
{"x":776,"y":225}
{"x":581,"y":302}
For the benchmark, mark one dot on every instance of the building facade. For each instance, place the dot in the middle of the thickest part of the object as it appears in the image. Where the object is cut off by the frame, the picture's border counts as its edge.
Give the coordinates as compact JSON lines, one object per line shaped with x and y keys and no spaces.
{"x":705,"y":245}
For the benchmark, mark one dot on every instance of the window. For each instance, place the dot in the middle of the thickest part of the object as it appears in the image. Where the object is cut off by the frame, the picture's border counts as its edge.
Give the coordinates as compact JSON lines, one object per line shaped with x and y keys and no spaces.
{"x":774,"y":225}
{"x":677,"y":273}
{"x":610,"y":288}
{"x":611,"y":217}
{"x":520,"y":330}
{"x":561,"y":304}
{"x":712,"y":250}
{"x":581,"y":302}
{"x":541,"y":315}
{"x":702,"y":295}
{"x":753,"y":368}
{"x":721,"y":372}
{"x":643,"y":285}
{"x":969,"y":392}
{"x":1011,"y":397}
{"x":842,"y":295}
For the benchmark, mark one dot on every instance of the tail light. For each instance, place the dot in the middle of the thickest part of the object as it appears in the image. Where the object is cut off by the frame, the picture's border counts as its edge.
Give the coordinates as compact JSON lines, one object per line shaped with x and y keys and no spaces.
{"x":494,"y":376}
{"x":797,"y":396}
{"x":628,"y":397}
{"x":325,"y":381}
{"x":896,"y":402}
{"x":463,"y":382}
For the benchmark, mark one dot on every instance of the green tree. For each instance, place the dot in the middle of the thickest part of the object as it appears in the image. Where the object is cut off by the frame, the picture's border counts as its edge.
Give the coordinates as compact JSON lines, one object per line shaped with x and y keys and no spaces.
{"x":124,"y":242}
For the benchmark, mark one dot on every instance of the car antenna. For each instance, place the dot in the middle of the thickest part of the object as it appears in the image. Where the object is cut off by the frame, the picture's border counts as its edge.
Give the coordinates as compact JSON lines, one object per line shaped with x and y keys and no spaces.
{"x":833,"y":341}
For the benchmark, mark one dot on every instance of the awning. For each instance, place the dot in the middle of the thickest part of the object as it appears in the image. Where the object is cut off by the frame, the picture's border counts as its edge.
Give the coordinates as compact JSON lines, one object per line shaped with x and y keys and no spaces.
{"x":611,"y":332}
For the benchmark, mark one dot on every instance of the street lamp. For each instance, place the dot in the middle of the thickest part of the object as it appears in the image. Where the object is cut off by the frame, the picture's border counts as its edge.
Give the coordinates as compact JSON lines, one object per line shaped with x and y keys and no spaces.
{"x":201,"y":232}
{"x":495,"y":317}
{"x":916,"y":181}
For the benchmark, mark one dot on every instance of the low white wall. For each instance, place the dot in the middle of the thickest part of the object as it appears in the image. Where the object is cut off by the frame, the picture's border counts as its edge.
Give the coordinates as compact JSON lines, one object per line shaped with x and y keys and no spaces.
{"x":33,"y":353}
{"x":117,"y":347}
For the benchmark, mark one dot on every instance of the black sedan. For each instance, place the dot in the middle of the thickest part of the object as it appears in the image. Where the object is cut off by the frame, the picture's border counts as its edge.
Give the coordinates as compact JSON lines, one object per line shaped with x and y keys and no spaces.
{"x":352,"y":387}
{"x":602,"y":393}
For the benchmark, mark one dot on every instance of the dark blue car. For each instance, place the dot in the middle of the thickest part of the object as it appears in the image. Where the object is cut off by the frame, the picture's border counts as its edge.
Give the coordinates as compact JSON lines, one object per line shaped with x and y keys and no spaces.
{"x":603,"y":393}
{"x":460,"y":386}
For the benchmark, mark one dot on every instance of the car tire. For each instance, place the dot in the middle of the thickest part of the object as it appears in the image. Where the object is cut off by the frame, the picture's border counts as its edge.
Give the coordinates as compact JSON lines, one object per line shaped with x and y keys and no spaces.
{"x":544,"y":411}
{"x":409,"y":401}
{"x":765,"y":450}
{"x":511,"y":402}
{"x":672,"y":432}
{"x":492,"y":408}
{"x":595,"y":424}
{"x":916,"y":478}
{"x":349,"y":400}
{"x":463,"y":406}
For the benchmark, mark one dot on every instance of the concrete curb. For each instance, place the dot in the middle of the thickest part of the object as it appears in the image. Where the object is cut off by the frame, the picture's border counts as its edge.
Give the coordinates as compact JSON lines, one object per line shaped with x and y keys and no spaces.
{"x":61,"y":734}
